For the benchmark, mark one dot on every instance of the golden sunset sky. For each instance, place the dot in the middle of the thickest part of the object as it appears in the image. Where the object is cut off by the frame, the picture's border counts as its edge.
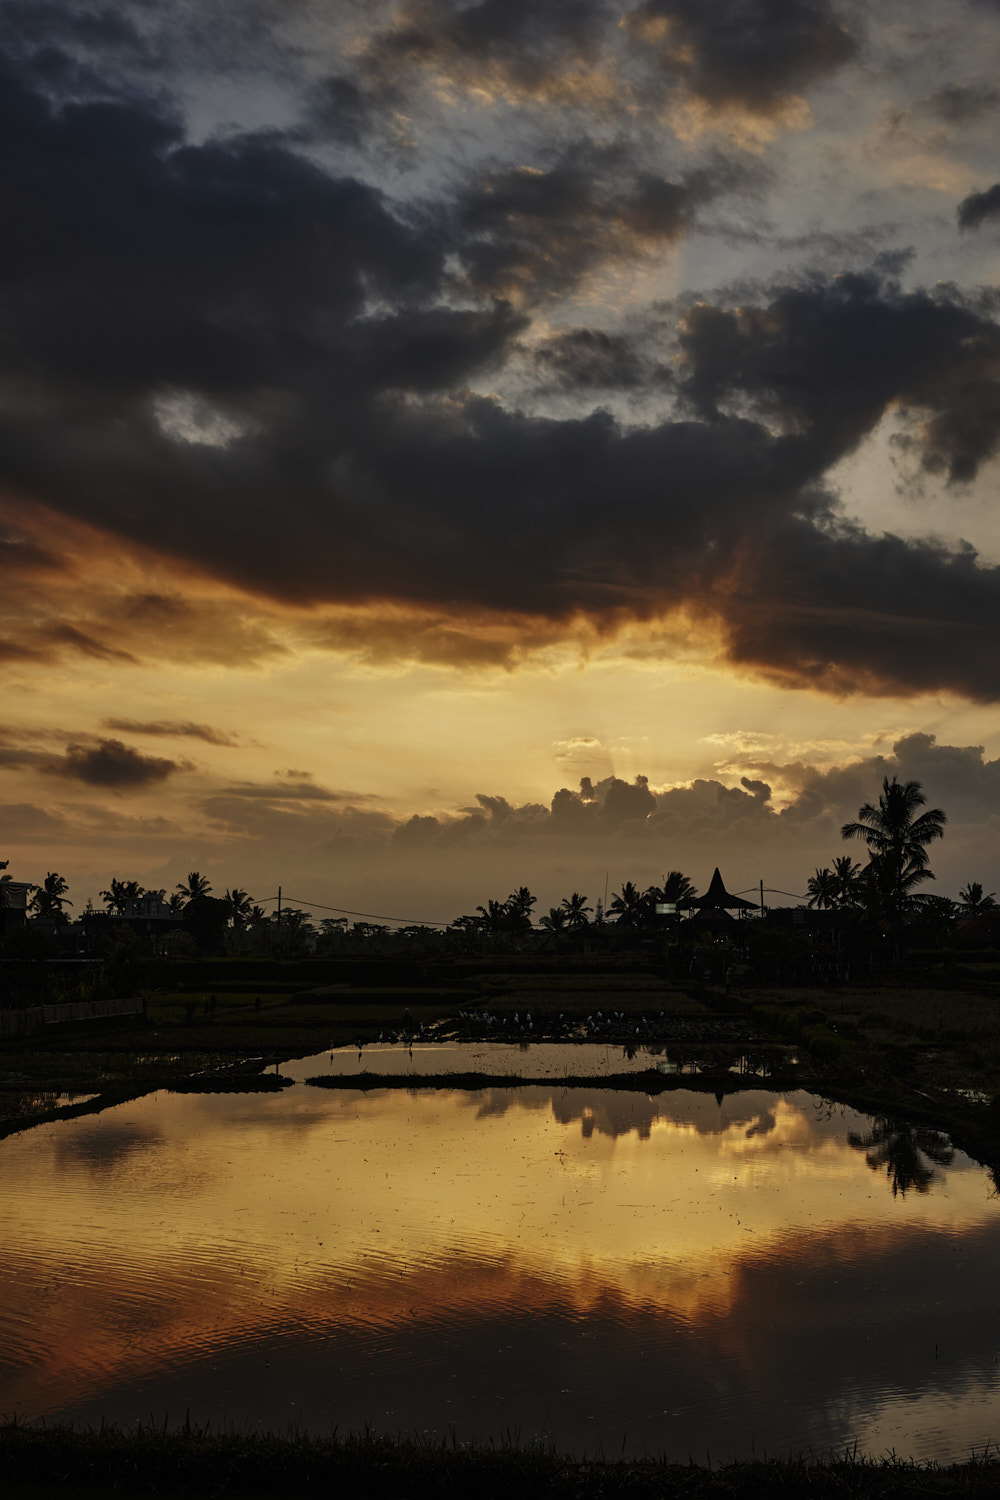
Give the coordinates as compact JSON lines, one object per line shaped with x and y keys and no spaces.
{"x":449,"y":446}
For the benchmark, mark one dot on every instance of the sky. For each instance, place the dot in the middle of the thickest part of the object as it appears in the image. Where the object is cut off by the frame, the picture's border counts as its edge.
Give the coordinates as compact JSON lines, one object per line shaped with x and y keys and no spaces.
{"x":451,"y":446}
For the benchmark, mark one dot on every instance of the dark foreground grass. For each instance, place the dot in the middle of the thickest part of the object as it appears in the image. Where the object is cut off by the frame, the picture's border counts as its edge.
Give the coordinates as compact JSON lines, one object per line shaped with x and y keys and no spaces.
{"x":39,"y":1462}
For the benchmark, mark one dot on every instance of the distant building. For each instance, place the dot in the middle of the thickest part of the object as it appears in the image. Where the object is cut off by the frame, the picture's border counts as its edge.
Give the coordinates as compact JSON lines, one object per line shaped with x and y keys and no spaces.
{"x":151,"y":907}
{"x":714,"y":908}
{"x":13,"y":904}
{"x":148,"y":914}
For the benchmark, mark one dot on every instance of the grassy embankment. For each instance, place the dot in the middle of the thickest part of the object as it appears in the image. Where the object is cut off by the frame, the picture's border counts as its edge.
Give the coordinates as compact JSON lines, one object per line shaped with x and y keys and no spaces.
{"x":42,"y":1464}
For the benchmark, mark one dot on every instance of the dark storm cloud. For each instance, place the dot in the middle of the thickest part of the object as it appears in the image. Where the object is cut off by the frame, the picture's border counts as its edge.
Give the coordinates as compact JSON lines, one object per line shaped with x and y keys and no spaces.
{"x":291,"y":790}
{"x":825,"y":359}
{"x":750,"y":53}
{"x":979,"y":208}
{"x":529,"y":229}
{"x":16,"y":652}
{"x":68,"y":635}
{"x":591,"y":359}
{"x":609,"y":57}
{"x":170,"y":729}
{"x":959,"y":104}
{"x":517,"y":44}
{"x":231,"y":354}
{"x":219,"y":268}
{"x":114,"y":765}
{"x":23,"y":555}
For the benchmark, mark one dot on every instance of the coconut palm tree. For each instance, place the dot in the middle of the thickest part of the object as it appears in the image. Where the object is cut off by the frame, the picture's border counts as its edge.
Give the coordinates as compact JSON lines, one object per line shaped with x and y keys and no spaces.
{"x":676,"y":887}
{"x":575,"y":909}
{"x":240,"y":906}
{"x":121,"y":893}
{"x":974,"y":903}
{"x":494,"y":916}
{"x":897,"y":842}
{"x":196,"y":885}
{"x":519,"y":904}
{"x":629,"y":905}
{"x":846,"y":872}
{"x":50,"y":897}
{"x":557,"y":919}
{"x":823,"y":889}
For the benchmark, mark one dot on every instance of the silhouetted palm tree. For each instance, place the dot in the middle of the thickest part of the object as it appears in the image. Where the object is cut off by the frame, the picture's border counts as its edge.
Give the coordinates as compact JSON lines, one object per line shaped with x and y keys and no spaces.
{"x":676,"y":887}
{"x":50,"y":897}
{"x":846,"y":872}
{"x":823,"y":889}
{"x":974,"y":903}
{"x":121,"y":893}
{"x":575,"y":909}
{"x":494,"y":916}
{"x":196,"y":885}
{"x":557,"y":918}
{"x":519,"y":904}
{"x":629,"y":905}
{"x":897,"y":840}
{"x":240,"y":906}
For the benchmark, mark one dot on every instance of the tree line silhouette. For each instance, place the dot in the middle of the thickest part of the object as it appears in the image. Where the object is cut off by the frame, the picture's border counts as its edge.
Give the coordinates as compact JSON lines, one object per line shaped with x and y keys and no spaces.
{"x":895,"y":830}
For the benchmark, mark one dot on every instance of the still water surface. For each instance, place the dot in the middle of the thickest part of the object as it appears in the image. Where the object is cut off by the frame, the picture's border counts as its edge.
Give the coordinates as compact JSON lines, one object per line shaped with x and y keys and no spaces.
{"x":510,"y":1059}
{"x":594,"y":1268}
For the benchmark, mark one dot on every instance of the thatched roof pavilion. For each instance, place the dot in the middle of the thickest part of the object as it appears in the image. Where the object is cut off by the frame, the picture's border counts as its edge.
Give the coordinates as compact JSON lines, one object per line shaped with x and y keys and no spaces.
{"x":717,"y":903}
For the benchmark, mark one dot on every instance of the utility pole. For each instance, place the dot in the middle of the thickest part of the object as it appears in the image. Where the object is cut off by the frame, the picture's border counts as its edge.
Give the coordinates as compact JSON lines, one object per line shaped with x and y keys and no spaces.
{"x":762,"y":895}
{"x":277,"y":926}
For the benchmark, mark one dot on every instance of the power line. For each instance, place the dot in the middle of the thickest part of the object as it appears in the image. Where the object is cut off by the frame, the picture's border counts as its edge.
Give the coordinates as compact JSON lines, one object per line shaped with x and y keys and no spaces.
{"x":345,"y":911}
{"x":771,"y":891}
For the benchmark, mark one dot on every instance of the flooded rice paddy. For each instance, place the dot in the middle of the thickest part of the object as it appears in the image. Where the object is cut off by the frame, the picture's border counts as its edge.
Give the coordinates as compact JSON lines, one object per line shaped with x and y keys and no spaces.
{"x":528,"y":1060}
{"x":599,"y":1269}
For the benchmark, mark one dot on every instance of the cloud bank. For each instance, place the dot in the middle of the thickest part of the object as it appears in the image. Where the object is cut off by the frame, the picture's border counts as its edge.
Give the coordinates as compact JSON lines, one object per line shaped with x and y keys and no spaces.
{"x":208,"y":329}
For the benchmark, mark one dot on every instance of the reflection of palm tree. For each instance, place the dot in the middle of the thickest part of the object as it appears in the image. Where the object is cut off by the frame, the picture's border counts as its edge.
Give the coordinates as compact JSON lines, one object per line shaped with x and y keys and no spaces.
{"x":897,"y":841}
{"x":900,"y":1148}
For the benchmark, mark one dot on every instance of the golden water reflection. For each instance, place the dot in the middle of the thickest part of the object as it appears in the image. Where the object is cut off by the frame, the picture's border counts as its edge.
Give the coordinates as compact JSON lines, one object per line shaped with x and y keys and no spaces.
{"x":574,"y":1264}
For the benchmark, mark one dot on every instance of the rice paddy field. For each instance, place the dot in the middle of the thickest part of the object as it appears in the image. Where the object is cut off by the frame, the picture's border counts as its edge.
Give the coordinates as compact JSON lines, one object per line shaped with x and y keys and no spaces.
{"x":915,"y":1048}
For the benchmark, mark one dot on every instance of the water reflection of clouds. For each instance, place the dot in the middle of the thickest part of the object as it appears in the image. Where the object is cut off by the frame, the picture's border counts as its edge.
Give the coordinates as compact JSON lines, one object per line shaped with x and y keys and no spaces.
{"x":744,"y":1248}
{"x":797,"y":1345}
{"x":746,"y":1116}
{"x":104,"y":1144}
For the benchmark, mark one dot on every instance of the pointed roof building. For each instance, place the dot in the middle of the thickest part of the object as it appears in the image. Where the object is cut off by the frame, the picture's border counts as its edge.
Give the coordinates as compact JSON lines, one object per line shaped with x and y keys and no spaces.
{"x":717,"y":903}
